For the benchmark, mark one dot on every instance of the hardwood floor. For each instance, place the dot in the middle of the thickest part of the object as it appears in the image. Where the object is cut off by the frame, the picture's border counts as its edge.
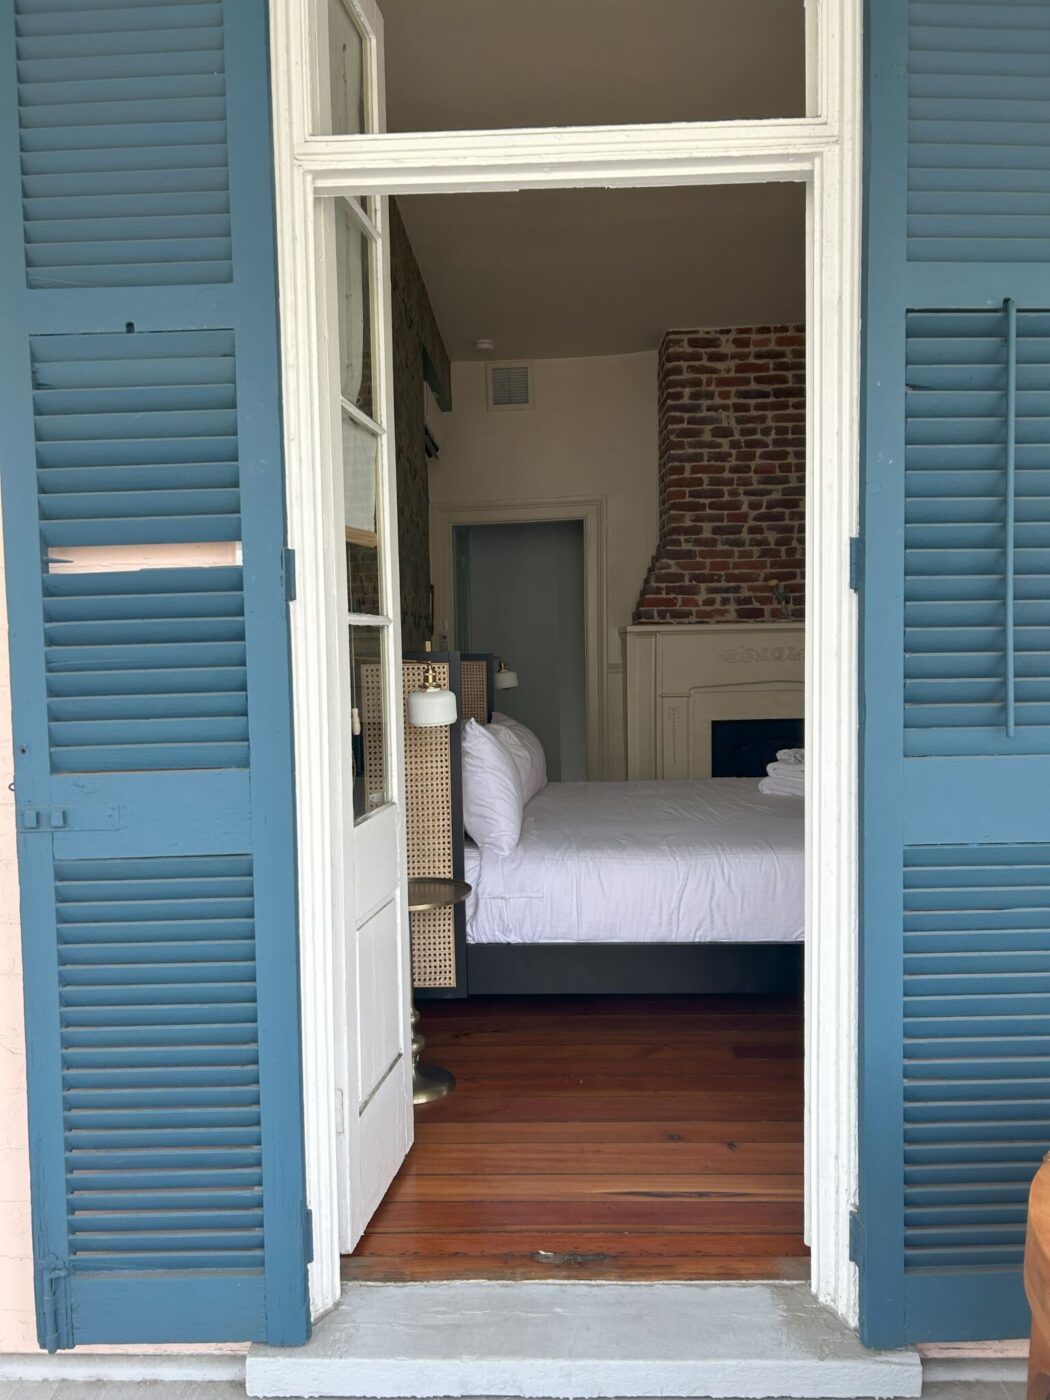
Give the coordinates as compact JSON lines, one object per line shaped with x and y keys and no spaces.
{"x":602,"y":1138}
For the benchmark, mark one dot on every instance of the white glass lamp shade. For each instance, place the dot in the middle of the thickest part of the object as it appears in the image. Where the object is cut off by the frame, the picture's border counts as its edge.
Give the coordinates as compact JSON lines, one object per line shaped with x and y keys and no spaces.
{"x":431,"y":707}
{"x":506,"y":679}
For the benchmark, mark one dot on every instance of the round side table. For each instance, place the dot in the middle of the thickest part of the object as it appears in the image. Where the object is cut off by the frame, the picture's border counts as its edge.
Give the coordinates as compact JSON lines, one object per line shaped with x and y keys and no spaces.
{"x":426,"y":892}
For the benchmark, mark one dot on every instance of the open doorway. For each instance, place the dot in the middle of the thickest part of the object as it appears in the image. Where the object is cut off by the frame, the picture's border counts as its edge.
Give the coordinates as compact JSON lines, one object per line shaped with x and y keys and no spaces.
{"x":619,"y":1000}
{"x":815,"y":151}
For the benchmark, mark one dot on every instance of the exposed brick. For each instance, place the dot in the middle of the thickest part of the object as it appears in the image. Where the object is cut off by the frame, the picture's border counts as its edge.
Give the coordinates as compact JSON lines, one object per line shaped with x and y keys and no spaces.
{"x":732,"y":477}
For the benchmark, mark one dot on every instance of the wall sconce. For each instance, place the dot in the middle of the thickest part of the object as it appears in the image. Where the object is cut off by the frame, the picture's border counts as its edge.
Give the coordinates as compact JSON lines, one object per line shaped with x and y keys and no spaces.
{"x":432,"y":705}
{"x":506,"y":679}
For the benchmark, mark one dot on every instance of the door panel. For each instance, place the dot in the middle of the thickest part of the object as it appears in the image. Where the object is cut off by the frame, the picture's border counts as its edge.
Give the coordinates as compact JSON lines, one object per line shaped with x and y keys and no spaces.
{"x":153,"y":771}
{"x":377,"y":1088}
{"x":955,"y":609}
{"x":379,"y":998}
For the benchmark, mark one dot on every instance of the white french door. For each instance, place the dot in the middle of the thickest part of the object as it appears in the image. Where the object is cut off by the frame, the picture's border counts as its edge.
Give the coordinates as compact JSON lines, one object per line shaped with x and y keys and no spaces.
{"x":372,"y":958}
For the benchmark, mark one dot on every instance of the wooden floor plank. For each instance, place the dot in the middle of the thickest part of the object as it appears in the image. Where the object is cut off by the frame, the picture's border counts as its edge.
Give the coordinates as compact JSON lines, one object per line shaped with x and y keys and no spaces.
{"x":719,"y":1213}
{"x":397,"y":1269}
{"x":618,"y":1244}
{"x":412,"y":1186}
{"x":594,"y":1138}
{"x":598,"y":1135}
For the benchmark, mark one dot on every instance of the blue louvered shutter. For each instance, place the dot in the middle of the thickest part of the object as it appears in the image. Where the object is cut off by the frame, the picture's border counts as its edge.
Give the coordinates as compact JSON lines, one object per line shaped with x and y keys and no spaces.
{"x":152,"y":704}
{"x":955,"y":612}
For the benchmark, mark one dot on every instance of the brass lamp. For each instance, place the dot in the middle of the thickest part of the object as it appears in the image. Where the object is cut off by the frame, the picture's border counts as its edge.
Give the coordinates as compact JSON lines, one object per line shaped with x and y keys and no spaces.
{"x":432,"y":705}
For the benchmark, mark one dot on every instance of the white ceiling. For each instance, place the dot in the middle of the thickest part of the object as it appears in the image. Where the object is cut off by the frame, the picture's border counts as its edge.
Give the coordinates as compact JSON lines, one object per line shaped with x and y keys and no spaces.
{"x":592,"y":272}
{"x":463,"y":64}
{"x":556,"y":273}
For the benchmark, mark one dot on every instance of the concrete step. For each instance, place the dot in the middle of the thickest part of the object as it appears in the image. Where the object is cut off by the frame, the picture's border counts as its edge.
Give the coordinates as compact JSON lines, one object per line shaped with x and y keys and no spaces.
{"x":582,"y":1341}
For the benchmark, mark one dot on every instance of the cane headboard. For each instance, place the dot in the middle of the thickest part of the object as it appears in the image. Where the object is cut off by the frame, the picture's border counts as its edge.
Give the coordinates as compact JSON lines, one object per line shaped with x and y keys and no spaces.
{"x":434,"y":812}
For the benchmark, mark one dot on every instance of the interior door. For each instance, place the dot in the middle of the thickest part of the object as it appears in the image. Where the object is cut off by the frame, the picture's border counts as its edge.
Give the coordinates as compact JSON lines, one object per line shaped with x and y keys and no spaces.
{"x":356,"y":329}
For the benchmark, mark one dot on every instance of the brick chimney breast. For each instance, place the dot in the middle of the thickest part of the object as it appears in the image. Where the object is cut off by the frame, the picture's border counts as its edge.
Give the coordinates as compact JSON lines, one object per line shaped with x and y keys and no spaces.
{"x":732,"y":477}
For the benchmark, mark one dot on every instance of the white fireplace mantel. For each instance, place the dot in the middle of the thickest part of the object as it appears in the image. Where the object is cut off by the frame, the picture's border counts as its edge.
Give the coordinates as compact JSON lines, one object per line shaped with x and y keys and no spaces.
{"x":681,"y":678}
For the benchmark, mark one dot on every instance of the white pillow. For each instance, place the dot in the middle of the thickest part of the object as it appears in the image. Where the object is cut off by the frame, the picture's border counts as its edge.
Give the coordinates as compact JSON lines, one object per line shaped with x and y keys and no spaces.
{"x":493,"y":803}
{"x":526,"y":751}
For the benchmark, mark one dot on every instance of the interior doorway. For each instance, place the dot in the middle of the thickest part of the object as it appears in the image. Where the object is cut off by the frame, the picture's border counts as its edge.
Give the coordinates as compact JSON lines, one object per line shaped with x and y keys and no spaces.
{"x":520,"y":595}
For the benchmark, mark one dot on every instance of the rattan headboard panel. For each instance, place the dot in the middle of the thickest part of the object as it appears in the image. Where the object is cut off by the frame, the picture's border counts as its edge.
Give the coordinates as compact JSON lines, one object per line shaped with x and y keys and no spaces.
{"x":429,"y":833}
{"x":474,"y":690}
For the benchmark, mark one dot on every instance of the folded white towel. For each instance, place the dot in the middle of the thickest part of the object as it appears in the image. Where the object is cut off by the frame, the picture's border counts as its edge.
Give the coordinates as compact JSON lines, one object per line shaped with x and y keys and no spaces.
{"x":782,"y":787}
{"x":796,"y":757}
{"x":789,"y":772}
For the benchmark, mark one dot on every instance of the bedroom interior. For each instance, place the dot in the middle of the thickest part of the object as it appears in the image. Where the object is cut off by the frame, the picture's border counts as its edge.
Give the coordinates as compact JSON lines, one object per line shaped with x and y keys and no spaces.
{"x":608,"y":970}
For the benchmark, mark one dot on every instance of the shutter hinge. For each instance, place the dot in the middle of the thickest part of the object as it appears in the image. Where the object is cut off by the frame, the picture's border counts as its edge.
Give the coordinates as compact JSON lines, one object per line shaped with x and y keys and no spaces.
{"x":856,"y":1238}
{"x":41,"y":819}
{"x":288,"y":573}
{"x":308,"y":1234}
{"x":856,"y":562}
{"x":55,"y":1304}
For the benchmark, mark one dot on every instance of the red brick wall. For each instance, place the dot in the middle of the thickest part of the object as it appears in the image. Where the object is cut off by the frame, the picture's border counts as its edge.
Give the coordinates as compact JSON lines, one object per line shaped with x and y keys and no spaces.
{"x":732,"y":477}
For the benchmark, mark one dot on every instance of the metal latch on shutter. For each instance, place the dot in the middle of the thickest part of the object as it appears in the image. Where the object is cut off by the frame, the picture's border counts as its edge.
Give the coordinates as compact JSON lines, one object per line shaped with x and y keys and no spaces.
{"x":288,"y":574}
{"x":308,"y":1235}
{"x":856,"y":562}
{"x":55,"y":1304}
{"x":856,"y":1238}
{"x":47,"y":820}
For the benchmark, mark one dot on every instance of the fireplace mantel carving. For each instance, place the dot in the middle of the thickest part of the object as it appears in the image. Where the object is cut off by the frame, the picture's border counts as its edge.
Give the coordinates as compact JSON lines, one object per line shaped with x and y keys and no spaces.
{"x":681,"y":679}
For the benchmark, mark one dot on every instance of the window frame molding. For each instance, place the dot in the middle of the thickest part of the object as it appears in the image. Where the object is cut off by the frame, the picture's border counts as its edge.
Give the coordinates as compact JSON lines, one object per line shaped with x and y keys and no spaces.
{"x":824,"y":151}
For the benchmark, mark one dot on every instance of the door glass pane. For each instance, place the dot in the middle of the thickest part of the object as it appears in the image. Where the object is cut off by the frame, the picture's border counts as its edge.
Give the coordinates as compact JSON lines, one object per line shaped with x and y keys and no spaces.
{"x":347,"y":55}
{"x":370,"y":739}
{"x":362,"y":578}
{"x":465,"y":65}
{"x":360,"y":480}
{"x":354,"y":264}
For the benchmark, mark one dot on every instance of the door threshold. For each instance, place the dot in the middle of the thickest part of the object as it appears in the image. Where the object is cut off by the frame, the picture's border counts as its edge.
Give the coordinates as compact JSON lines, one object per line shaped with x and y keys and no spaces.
{"x":581,"y":1341}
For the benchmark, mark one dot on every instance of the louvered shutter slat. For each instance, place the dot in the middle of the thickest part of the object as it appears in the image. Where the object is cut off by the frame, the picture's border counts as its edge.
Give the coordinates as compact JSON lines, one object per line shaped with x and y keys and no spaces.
{"x":977,"y":100}
{"x":146,"y":87}
{"x":953,"y":534}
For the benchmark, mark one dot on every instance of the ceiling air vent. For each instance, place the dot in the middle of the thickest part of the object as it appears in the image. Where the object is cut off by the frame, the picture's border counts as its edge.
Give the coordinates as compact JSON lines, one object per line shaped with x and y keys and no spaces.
{"x":510,"y":386}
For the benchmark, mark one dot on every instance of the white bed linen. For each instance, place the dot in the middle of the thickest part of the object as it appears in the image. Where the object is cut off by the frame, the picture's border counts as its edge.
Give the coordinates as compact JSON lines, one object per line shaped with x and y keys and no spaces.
{"x":711,"y":860}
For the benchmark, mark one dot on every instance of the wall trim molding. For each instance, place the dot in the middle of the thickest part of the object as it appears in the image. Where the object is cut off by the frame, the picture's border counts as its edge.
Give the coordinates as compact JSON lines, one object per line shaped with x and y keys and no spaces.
{"x":446,"y":515}
{"x":822,"y":150}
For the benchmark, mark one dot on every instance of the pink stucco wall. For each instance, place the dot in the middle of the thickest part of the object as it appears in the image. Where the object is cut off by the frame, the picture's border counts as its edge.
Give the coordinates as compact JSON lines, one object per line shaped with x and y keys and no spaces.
{"x":17,"y":1325}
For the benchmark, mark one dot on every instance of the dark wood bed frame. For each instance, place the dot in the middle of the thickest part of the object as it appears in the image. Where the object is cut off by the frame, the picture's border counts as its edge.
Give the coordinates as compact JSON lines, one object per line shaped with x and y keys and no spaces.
{"x":587,"y":969}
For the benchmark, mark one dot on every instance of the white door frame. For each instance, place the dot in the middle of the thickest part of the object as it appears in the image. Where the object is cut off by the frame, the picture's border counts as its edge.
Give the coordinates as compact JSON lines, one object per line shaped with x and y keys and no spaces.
{"x":822,"y":150}
{"x":446,"y":515}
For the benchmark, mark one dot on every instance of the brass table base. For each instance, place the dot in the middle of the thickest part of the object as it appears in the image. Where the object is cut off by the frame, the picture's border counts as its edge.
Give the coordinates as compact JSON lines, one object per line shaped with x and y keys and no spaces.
{"x":429,"y":1082}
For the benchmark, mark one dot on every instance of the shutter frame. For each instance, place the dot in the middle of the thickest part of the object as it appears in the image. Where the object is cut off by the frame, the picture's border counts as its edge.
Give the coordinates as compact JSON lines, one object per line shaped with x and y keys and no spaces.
{"x":91,"y":809}
{"x":955,"y":996}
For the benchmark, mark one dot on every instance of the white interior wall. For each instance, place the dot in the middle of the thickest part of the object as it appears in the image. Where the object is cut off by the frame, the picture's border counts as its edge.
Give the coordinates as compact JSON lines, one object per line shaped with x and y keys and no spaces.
{"x":592,"y":433}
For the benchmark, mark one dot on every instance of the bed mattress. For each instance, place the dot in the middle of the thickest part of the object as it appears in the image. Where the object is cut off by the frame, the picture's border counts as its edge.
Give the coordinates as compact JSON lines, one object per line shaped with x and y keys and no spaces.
{"x":710,"y":860}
